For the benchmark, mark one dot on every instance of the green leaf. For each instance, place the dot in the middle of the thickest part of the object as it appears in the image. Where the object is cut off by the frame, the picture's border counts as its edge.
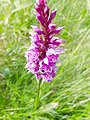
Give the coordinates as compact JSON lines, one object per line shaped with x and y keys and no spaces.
{"x":48,"y":107}
{"x":1,"y":100}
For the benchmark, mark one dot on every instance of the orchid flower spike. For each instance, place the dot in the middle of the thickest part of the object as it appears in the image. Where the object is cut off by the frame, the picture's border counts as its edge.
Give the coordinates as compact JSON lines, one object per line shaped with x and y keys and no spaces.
{"x":44,"y":51}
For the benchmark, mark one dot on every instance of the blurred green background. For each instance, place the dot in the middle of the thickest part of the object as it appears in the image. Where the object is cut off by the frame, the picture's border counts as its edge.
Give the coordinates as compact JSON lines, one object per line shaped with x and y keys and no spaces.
{"x":67,"y":97}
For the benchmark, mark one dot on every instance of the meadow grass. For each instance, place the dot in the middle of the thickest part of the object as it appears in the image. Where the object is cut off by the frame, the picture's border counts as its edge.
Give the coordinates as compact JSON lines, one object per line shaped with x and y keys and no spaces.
{"x":67,"y":97}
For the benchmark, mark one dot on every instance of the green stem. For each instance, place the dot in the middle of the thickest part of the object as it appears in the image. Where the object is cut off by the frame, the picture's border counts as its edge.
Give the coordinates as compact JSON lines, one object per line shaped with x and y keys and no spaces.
{"x":38,"y":95}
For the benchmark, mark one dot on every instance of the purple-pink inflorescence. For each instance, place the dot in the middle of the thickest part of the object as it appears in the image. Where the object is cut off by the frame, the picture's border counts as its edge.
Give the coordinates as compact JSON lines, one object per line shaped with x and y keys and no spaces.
{"x":43,"y":53}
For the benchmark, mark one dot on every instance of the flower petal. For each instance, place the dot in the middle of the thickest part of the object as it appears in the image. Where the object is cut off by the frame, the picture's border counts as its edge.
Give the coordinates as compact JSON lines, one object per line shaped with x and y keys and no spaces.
{"x":52,"y":26}
{"x":56,"y":31}
{"x":46,"y":11}
{"x":37,"y":8}
{"x":37,"y":30}
{"x":40,"y":19}
{"x":52,"y":16}
{"x":46,"y":61}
